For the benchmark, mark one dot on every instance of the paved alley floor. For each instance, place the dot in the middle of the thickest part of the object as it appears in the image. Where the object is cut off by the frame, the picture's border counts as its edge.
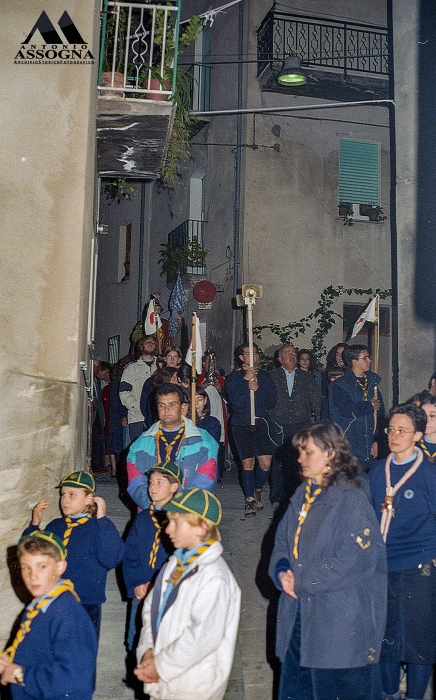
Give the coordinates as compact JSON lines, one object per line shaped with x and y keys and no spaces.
{"x":252,"y":677}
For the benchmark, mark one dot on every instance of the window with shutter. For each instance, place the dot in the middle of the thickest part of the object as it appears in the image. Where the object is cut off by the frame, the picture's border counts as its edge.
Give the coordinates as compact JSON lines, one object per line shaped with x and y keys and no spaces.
{"x":359,"y":172}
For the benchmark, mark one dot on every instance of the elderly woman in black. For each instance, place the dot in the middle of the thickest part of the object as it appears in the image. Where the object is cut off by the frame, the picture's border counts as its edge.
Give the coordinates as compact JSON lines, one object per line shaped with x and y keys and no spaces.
{"x":329,"y":562}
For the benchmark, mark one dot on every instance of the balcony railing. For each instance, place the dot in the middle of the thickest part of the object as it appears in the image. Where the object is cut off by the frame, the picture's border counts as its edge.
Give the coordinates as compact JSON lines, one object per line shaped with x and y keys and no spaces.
{"x":345,"y":46}
{"x":138,"y":57}
{"x":189,"y":233}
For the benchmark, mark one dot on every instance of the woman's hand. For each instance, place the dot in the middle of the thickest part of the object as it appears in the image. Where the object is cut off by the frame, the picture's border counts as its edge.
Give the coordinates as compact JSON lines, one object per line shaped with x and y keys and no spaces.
{"x":146,"y":670}
{"x":38,"y":511}
{"x":287,"y":580}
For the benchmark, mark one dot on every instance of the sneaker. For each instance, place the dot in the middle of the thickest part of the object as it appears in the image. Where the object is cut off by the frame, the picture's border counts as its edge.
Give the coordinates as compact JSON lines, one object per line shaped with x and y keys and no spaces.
{"x":258,"y":499}
{"x":250,"y":506}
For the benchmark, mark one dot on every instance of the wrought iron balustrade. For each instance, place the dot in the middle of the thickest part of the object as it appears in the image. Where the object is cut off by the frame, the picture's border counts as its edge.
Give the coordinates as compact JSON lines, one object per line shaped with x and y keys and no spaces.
{"x":188,"y":237}
{"x":340,"y":45}
{"x":138,"y":45}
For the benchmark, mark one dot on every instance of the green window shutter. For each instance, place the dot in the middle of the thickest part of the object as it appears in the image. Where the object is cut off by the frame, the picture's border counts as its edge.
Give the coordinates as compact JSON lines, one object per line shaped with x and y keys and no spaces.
{"x":359,"y":172}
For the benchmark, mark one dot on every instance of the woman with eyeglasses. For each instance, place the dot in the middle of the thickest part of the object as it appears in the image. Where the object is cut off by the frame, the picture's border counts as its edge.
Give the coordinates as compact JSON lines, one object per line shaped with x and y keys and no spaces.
{"x":404,"y":497}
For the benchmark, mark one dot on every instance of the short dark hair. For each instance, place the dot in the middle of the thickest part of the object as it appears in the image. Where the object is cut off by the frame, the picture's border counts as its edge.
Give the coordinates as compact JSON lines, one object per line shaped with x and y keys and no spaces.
{"x":33,"y":545}
{"x":165,"y":389}
{"x":173,"y":348}
{"x":433,"y":376}
{"x":163,"y":376}
{"x":352,"y":352}
{"x":416,"y":415}
{"x":427,"y":398}
{"x":169,"y":477}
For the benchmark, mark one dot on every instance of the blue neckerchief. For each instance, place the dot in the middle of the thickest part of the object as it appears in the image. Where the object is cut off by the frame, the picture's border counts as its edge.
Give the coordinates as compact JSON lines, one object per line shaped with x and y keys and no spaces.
{"x":49,"y":601}
{"x":182,"y":555}
{"x":406,"y":461}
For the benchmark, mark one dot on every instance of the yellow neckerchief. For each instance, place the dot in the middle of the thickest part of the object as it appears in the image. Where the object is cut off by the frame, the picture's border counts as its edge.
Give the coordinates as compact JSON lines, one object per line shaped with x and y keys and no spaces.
{"x":160,"y":435}
{"x":32,"y":611}
{"x":180,"y":568}
{"x":73,"y":523}
{"x":363,"y":383}
{"x":424,"y":448}
{"x":245,"y":368}
{"x":308,"y":500}
{"x":155,"y":546}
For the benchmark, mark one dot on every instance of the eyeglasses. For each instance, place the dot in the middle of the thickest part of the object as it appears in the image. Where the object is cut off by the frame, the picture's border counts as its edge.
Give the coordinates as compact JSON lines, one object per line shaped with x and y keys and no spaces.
{"x":398,"y":431}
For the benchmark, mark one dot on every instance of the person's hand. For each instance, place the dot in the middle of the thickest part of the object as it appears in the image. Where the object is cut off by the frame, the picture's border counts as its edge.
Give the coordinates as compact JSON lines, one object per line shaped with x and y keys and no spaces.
{"x":101,"y":506}
{"x":251,"y":377}
{"x":374,"y":449}
{"x":146,"y":670}
{"x":38,"y":511}
{"x":375,"y":403}
{"x":4,"y":661}
{"x":7,"y":675}
{"x":124,"y":422}
{"x":141,"y":591}
{"x":287,"y":580}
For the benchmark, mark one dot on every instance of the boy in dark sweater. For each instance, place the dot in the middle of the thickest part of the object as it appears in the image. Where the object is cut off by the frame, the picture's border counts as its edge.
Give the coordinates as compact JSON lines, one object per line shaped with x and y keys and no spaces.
{"x":94,"y":545}
{"x":147,"y":546}
{"x":54,"y":652}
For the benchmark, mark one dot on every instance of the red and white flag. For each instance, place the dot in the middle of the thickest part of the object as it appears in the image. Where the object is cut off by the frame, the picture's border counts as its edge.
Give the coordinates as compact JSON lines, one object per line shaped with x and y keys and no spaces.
{"x":198,"y":348}
{"x":152,"y":322}
{"x":367,"y":315}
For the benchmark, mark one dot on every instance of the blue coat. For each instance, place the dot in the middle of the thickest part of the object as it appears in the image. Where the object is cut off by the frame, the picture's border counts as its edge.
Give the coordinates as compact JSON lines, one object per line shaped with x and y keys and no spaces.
{"x":136,"y":567}
{"x":354,"y":415}
{"x":58,"y":654}
{"x":94,"y":548}
{"x":340,"y":579}
{"x":238,"y":393}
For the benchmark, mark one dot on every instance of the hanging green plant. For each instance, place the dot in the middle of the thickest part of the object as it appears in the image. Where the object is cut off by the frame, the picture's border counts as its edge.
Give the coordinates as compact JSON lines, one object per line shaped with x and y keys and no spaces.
{"x":118,"y":190}
{"x":175,"y":257}
{"x":322,"y":319}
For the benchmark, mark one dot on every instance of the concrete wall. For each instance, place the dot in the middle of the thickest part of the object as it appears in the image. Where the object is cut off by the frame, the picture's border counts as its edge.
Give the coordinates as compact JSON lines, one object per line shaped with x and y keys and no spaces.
{"x":47,"y":182}
{"x":416,"y":341}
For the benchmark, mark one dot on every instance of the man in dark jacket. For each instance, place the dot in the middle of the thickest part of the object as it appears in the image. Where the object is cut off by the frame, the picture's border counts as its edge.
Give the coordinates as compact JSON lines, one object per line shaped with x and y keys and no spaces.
{"x":352,"y":404}
{"x":298,"y":403}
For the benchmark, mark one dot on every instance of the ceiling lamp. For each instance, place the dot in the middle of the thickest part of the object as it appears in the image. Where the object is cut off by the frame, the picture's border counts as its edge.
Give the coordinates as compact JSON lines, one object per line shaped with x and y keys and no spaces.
{"x":292,"y":72}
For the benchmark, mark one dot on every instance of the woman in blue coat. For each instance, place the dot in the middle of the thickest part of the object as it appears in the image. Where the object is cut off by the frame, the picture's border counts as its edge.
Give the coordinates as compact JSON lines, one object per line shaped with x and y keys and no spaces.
{"x":329,"y":562}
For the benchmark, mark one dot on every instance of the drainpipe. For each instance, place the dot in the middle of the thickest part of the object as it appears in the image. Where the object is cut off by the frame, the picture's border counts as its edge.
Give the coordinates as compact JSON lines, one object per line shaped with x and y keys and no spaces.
{"x":393,"y":214}
{"x":238,"y":156}
{"x":141,"y":251}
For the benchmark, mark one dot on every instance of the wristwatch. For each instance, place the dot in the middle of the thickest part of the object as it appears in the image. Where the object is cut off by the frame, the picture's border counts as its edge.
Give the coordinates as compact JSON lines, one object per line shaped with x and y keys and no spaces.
{"x":18,"y":674}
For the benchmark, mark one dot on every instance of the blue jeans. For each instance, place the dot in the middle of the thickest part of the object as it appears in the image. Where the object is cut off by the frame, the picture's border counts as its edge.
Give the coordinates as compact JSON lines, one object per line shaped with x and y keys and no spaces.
{"x":299,"y":683}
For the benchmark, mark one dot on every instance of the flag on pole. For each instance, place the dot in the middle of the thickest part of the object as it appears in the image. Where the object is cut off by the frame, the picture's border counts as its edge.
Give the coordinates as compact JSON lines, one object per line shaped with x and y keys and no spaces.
{"x":198,"y":348}
{"x":152,"y":321}
{"x":368,"y":315}
{"x":177,"y":305}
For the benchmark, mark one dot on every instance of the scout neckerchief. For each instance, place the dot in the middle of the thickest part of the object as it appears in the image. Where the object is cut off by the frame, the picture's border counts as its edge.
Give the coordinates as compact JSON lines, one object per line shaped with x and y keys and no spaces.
{"x":309,"y":498}
{"x":387,"y":509}
{"x":424,"y":447}
{"x":32,"y":611}
{"x":246,"y":368}
{"x":180,"y":568}
{"x":73,"y":523}
{"x":363,"y":383}
{"x":155,"y":546}
{"x":169,"y":446}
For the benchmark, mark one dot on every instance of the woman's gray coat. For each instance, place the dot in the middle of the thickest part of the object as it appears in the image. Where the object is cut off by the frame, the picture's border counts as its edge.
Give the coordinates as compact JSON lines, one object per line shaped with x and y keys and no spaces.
{"x":340,"y":580}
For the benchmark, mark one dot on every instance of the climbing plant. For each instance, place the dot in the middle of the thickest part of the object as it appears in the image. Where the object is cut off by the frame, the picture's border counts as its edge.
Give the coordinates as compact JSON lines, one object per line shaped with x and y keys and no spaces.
{"x":319,"y":321}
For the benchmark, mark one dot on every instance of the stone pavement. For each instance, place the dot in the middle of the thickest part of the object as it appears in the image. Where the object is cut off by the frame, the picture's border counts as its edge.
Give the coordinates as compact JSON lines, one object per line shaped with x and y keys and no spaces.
{"x":247,"y":544}
{"x":252,"y":676}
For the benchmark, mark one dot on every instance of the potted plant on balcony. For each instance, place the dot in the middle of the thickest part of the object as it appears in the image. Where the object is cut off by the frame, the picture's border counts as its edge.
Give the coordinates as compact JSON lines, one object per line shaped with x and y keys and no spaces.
{"x":175,"y":257}
{"x":375,"y":213}
{"x":346,"y":213}
{"x":115,"y":78}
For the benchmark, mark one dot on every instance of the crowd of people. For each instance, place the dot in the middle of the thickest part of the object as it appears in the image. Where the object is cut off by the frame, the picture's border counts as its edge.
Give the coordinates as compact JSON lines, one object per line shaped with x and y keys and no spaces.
{"x":354,"y":558}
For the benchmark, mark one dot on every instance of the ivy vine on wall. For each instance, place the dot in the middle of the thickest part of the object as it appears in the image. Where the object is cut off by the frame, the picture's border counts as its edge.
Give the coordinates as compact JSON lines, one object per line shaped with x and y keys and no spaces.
{"x":321,"y":320}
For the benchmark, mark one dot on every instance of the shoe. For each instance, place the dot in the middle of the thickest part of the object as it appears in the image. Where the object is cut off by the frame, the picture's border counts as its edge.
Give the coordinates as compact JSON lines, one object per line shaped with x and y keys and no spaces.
{"x":258,"y":498}
{"x":250,"y":506}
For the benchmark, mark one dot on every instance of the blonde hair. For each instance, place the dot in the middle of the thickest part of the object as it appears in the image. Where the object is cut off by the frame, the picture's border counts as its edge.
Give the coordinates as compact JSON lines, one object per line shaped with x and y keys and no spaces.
{"x":212,"y":532}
